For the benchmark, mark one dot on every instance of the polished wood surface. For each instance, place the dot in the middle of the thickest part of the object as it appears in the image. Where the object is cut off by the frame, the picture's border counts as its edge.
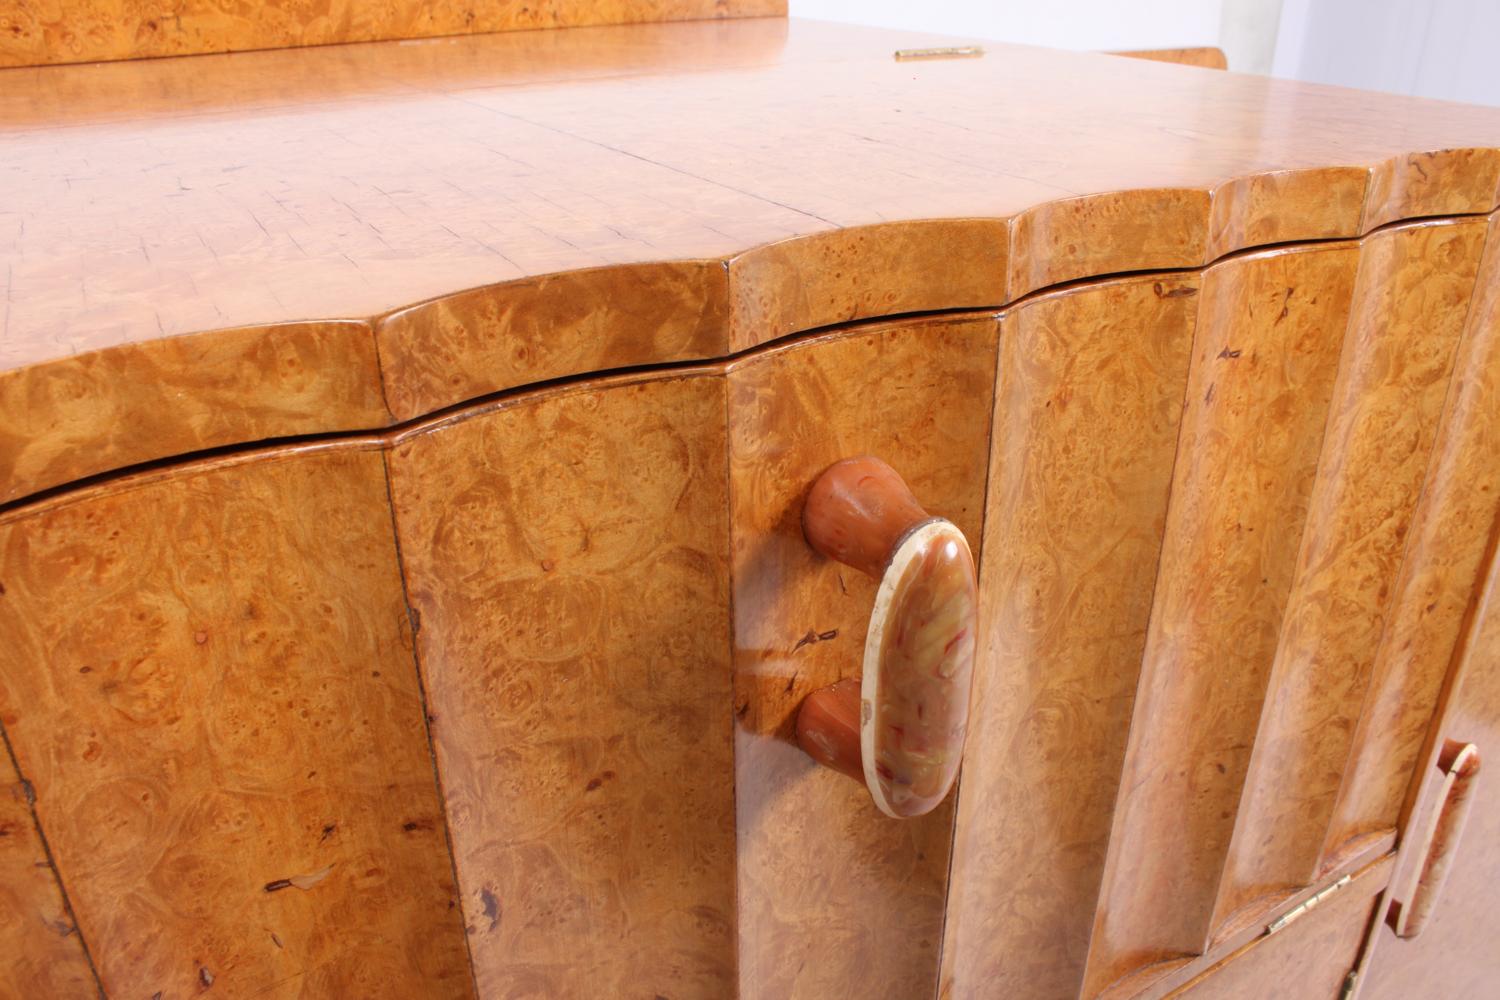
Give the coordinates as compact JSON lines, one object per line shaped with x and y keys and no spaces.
{"x":1204,"y":57}
{"x":1410,"y":301}
{"x":209,"y":686}
{"x":1309,"y":960}
{"x":566,"y":559}
{"x":528,"y":190}
{"x":1434,"y":592}
{"x":1455,"y":954}
{"x":1269,"y":331}
{"x":43,"y":951}
{"x":1087,"y":409}
{"x":1412,"y":904}
{"x":494,"y":690}
{"x":835,"y":898}
{"x":917,"y":669}
{"x":37,"y":32}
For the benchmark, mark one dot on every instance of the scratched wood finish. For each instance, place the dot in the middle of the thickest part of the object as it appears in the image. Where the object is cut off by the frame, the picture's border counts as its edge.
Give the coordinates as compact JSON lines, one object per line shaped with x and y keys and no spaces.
{"x":518,"y":182}
{"x":1454,"y":956}
{"x":37,"y":32}
{"x":210,"y":687}
{"x":1435,"y":590}
{"x":1410,"y":303}
{"x":43,"y":952}
{"x":835,"y":899}
{"x":567,"y":556}
{"x":1089,"y":397}
{"x":1264,"y":359}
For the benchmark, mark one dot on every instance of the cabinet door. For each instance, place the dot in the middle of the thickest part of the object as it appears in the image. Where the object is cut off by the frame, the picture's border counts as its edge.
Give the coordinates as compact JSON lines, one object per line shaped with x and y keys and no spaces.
{"x":1212,"y":498}
{"x":208,"y":684}
{"x":835,"y":898}
{"x":567,"y":557}
{"x":1454,"y":956}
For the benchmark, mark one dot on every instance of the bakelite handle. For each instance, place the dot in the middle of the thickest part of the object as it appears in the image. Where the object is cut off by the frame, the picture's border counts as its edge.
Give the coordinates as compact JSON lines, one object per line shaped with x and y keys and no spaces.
{"x":1459,"y":763}
{"x":900,"y":726}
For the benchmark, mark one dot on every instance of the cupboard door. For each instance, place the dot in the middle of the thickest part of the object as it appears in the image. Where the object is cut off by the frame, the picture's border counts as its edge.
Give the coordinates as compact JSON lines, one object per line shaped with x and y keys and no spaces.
{"x":1087,"y":410}
{"x":835,"y":898}
{"x":209,"y":686}
{"x":1454,"y":955}
{"x":567,"y":558}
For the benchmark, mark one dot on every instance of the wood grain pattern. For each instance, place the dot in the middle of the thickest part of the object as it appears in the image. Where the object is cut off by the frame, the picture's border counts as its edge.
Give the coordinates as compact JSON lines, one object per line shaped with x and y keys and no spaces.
{"x":502,"y":336}
{"x":1089,"y":397}
{"x":1203,"y":56}
{"x":1410,"y":302}
{"x":35,"y":32}
{"x":44,"y":955}
{"x":1454,"y":957}
{"x":211,"y":690}
{"x":834,"y":898}
{"x":104,"y":410}
{"x":518,"y":175}
{"x":1440,"y":577}
{"x":1264,"y":360}
{"x":1309,"y":959}
{"x":568,"y":558}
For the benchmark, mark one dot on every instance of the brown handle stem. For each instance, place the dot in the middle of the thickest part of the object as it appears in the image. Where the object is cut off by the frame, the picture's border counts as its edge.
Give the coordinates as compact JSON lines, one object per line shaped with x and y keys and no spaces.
{"x":900,"y":727}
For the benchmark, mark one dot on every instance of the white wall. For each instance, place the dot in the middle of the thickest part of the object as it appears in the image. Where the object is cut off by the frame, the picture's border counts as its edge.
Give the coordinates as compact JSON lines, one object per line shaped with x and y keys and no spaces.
{"x":1434,"y":48}
{"x":1074,"y":24}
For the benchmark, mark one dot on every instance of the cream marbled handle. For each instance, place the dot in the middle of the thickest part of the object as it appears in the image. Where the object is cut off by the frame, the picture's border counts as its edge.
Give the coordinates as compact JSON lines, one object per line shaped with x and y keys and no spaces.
{"x":900,"y":727}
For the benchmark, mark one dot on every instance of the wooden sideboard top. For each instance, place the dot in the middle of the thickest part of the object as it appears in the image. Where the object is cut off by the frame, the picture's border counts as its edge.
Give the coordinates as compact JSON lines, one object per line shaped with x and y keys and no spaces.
{"x":375,"y":232}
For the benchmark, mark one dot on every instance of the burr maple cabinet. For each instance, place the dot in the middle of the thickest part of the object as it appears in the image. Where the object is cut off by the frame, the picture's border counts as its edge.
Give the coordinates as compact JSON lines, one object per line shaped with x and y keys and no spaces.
{"x":413,"y":581}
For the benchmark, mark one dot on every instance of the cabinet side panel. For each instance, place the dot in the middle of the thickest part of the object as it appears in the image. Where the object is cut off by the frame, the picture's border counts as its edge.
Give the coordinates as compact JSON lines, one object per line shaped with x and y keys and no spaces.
{"x":1089,"y":400}
{"x":1266,"y":350}
{"x":835,"y":898}
{"x":1438,"y":581}
{"x":1410,"y":302}
{"x":210,"y":688}
{"x":567,"y":557}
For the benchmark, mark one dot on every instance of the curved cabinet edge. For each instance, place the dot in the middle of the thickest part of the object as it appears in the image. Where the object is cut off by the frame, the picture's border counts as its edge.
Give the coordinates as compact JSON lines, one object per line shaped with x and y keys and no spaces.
{"x":73,"y":416}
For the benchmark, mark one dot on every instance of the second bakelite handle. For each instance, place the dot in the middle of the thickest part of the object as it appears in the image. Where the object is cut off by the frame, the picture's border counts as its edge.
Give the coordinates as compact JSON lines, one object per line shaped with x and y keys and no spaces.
{"x":900,"y":726}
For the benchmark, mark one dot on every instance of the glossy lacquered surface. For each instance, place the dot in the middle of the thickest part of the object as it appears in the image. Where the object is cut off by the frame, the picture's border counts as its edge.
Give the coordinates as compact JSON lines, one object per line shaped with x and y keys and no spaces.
{"x":910,"y":714}
{"x":367,"y":234}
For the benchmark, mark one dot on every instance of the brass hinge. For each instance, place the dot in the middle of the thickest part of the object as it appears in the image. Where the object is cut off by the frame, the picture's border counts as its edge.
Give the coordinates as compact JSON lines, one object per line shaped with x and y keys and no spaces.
{"x":1300,"y":910}
{"x":1350,"y":982}
{"x":952,"y":52}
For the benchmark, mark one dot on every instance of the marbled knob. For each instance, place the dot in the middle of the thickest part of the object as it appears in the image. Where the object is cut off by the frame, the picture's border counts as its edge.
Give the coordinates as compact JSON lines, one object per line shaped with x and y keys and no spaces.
{"x":900,"y":727}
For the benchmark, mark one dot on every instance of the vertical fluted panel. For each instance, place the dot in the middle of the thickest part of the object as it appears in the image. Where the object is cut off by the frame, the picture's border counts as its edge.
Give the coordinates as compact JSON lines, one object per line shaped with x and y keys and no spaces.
{"x":834,"y":898}
{"x":1438,"y":580}
{"x":1265,"y":356}
{"x":566,"y":555}
{"x":1088,"y":403}
{"x":1410,"y":300}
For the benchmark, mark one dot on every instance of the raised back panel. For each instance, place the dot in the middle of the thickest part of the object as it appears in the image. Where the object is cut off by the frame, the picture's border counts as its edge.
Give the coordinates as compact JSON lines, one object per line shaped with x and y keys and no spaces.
{"x":73,"y":31}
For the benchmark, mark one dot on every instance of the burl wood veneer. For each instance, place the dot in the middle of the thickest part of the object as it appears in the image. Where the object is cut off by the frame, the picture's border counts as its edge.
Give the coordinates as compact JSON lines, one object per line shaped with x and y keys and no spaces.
{"x":554,"y":203}
{"x":404,"y":587}
{"x":209,"y":685}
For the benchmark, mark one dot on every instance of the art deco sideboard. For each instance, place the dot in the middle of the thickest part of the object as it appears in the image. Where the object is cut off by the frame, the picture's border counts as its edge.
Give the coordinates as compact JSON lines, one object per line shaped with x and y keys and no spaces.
{"x":428,"y":546}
